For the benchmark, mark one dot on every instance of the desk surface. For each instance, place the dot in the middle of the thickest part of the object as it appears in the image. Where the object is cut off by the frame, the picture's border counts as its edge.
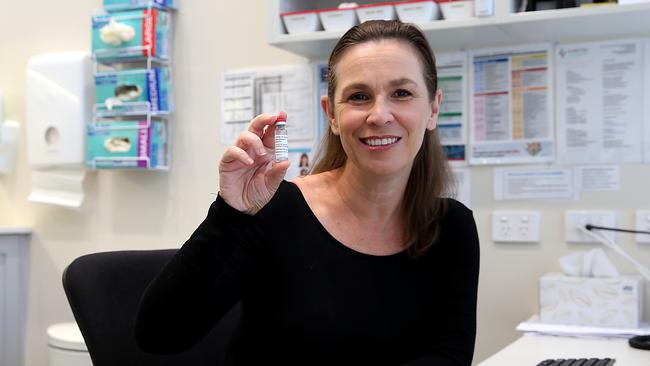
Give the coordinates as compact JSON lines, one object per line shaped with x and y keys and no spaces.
{"x":531,"y":349}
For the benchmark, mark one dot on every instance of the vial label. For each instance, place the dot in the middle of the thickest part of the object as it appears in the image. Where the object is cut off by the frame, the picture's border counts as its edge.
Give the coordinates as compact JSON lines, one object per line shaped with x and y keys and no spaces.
{"x":281,"y":145}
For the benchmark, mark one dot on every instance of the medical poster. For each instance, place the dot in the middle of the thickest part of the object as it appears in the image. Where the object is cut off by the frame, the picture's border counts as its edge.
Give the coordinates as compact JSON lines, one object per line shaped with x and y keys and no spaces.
{"x":511,"y":105}
{"x":600,"y":102}
{"x":247,"y":93}
{"x":322,"y":124}
{"x":534,"y":184}
{"x":452,"y":118}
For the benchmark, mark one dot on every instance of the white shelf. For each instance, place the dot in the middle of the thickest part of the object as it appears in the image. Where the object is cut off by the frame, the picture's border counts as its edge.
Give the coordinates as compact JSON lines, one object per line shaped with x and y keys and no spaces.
{"x":15,"y":230}
{"x":559,"y":25}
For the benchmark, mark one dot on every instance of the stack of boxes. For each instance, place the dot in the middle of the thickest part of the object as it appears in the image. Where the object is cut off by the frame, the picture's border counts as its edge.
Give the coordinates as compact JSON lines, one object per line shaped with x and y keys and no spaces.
{"x":131,"y":47}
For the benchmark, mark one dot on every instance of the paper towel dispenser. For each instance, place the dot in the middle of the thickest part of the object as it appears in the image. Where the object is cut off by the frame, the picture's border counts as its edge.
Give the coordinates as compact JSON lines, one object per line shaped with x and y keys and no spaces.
{"x":59,"y":97}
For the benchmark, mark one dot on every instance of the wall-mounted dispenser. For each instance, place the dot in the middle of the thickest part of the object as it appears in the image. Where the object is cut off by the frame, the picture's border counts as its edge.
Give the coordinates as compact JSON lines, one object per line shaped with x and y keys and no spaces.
{"x":59,"y":100}
{"x":60,"y":94}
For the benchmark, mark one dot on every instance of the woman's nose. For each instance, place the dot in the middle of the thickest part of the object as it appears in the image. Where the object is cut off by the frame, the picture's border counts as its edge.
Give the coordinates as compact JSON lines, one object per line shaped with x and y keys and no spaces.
{"x":380,"y":112}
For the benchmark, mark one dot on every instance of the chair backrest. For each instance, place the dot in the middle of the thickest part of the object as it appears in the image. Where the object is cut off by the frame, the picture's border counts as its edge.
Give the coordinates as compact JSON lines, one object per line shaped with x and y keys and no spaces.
{"x":104,"y":290}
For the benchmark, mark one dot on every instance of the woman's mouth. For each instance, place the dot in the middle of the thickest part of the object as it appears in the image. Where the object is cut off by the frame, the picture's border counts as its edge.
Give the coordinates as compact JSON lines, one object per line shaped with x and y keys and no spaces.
{"x":380,"y":141}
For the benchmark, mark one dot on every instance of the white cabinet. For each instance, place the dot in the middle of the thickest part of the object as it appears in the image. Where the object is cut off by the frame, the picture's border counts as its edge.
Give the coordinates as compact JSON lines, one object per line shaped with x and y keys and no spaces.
{"x":505,"y":27}
{"x":13,"y":286}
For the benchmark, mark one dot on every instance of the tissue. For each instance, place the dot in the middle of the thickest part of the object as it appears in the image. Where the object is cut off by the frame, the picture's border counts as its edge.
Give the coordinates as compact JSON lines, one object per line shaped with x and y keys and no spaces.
{"x":594,"y":263}
{"x":116,"y":33}
{"x":591,"y":292}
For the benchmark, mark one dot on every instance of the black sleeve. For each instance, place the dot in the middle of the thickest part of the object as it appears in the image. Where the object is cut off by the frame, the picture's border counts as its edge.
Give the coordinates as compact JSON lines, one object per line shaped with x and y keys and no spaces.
{"x":199,"y":285}
{"x":455,"y":338}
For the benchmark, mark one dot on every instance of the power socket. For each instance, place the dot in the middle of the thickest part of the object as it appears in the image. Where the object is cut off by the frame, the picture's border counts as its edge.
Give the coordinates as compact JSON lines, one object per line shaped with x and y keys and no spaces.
{"x":516,"y":226}
{"x":582,"y":218}
{"x":643,"y":224}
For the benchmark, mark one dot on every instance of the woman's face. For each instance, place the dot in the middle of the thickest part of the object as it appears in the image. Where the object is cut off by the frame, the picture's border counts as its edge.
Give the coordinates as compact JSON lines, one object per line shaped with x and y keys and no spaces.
{"x":381,"y":106}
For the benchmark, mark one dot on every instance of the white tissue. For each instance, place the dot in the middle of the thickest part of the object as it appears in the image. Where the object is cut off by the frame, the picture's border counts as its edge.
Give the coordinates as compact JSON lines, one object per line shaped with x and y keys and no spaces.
{"x":593,"y":263}
{"x":115,"y":33}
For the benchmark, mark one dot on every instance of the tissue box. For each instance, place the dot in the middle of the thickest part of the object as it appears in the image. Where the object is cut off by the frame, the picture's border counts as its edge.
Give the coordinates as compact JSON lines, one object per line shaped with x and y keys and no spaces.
{"x":127,"y":144}
{"x":132,"y":34}
{"x":603,"y":302}
{"x":133,"y":91}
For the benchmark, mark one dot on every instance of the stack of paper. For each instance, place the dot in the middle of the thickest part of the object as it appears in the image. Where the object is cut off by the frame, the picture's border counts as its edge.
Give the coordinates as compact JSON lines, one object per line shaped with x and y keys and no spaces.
{"x":534,"y":325}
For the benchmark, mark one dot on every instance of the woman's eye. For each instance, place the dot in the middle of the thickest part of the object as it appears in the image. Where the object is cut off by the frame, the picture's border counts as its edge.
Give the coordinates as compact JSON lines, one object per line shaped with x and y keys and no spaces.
{"x":403,"y":93}
{"x":358,"y":97}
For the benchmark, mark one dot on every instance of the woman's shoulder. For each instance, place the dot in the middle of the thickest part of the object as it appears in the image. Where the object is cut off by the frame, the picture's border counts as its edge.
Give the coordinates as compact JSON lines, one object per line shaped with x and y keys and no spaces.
{"x":456,"y":212}
{"x":313,"y":185}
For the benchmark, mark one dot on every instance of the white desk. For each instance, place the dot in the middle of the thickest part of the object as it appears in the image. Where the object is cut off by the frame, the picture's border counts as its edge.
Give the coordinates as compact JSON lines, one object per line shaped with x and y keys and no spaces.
{"x":530,"y":349}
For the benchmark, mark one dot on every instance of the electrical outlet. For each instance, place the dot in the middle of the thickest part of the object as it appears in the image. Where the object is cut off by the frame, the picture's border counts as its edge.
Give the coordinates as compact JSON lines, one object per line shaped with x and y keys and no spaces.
{"x":582,"y":218}
{"x":643,"y":224}
{"x":515,"y":226}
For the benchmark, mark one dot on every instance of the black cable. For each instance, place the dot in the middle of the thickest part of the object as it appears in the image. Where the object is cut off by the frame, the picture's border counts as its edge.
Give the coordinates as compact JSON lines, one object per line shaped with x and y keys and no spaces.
{"x":639,"y":342}
{"x":590,"y":227}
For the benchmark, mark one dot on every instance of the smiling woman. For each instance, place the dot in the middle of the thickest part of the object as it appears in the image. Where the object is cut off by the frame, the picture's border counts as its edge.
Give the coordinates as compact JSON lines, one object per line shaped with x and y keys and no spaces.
{"x":361,"y":262}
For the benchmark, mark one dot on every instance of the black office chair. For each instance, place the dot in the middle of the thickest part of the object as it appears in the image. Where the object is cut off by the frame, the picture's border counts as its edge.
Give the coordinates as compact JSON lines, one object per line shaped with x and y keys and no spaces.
{"x":104,"y":290}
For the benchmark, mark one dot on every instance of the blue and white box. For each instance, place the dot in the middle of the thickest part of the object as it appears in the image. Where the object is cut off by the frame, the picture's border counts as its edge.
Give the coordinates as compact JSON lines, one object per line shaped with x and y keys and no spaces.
{"x":133,"y":91}
{"x":117,"y":5}
{"x":127,"y":144}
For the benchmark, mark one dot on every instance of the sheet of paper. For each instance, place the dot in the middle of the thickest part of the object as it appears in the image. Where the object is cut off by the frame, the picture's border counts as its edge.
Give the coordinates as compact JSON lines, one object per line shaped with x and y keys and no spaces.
{"x":599,"y":101}
{"x":247,"y":93}
{"x":463,"y":185}
{"x":452,"y":119}
{"x":598,"y":178}
{"x":511,"y":105}
{"x":533,"y":183}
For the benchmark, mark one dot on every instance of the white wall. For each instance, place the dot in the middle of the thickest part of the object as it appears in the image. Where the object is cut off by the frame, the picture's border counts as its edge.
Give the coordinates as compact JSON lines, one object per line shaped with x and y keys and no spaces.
{"x":141,"y":210}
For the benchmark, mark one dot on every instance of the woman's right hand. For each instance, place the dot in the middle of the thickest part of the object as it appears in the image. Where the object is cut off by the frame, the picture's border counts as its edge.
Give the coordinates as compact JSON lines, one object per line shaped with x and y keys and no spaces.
{"x":248,"y":173}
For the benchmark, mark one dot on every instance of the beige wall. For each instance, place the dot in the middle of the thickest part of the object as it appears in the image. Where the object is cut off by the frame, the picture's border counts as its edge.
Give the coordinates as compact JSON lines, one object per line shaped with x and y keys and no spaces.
{"x":139,"y":210}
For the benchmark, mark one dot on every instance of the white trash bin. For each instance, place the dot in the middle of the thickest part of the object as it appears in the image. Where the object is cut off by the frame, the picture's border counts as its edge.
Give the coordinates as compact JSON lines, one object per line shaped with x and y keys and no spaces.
{"x":66,"y":346}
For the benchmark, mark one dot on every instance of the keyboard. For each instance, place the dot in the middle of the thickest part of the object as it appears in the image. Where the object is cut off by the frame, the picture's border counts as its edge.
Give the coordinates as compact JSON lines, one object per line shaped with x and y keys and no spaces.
{"x":578,"y":362}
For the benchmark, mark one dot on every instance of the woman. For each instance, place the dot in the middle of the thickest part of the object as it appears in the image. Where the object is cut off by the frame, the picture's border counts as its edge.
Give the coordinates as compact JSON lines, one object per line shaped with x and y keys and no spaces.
{"x":360,"y":262}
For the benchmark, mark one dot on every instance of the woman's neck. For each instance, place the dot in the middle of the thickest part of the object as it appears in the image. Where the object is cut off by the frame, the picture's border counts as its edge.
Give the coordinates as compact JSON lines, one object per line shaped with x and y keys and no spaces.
{"x":371,"y":198}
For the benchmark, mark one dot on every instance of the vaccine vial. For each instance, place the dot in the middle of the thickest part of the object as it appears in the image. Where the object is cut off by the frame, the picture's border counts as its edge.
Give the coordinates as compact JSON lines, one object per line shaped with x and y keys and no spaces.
{"x":281,"y":140}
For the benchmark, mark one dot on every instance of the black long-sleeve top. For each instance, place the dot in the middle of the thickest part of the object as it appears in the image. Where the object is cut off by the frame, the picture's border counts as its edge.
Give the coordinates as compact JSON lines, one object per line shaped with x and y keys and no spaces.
{"x":308,"y":299}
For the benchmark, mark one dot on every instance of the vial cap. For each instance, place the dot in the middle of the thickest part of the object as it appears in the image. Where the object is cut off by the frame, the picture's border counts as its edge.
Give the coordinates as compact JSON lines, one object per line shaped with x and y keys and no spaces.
{"x":281,"y":119}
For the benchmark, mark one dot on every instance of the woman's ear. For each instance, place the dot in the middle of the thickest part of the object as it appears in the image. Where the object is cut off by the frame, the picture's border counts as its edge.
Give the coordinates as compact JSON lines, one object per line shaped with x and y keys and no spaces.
{"x":435,"y":109}
{"x":327,"y":109}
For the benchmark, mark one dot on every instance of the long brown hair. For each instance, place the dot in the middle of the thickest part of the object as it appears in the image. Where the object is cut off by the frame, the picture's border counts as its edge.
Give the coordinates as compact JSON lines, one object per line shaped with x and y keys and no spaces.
{"x":430,"y":177}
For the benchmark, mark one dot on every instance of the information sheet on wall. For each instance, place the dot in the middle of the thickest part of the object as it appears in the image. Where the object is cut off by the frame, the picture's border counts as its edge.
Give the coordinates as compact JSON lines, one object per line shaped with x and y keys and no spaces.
{"x":600,"y":101}
{"x":534,"y":183}
{"x":452,"y":118}
{"x":246,"y":93}
{"x":511,"y":105}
